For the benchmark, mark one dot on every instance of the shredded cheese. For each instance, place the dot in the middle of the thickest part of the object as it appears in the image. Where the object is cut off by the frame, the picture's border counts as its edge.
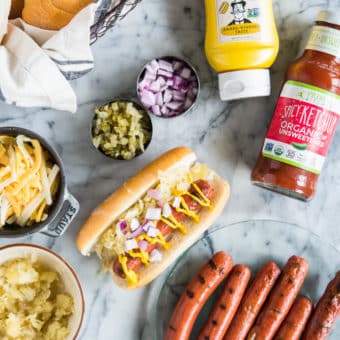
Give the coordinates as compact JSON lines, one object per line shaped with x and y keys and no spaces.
{"x":28,"y":181}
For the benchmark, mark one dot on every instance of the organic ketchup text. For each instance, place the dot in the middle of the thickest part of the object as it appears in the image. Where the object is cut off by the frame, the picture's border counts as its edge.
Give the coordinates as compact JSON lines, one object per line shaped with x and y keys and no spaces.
{"x":306,"y":116}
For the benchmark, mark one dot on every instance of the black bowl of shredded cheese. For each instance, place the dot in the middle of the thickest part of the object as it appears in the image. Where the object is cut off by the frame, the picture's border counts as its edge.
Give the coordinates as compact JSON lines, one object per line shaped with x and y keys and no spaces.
{"x":121,"y":129}
{"x":32,"y":182}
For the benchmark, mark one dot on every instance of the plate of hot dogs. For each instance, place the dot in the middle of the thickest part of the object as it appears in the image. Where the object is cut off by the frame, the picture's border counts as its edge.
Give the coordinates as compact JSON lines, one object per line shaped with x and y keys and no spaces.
{"x":255,"y":280}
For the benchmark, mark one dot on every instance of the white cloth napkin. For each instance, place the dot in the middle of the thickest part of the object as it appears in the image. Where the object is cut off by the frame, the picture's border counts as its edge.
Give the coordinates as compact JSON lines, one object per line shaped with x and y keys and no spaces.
{"x":35,"y":63}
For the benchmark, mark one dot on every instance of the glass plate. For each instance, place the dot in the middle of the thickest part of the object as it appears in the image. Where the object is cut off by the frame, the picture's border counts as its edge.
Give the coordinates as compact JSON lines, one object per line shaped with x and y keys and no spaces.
{"x":252,"y":243}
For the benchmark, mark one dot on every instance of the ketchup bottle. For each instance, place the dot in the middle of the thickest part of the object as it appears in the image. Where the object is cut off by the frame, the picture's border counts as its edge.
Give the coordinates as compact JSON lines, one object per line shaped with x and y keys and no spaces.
{"x":305,"y":117}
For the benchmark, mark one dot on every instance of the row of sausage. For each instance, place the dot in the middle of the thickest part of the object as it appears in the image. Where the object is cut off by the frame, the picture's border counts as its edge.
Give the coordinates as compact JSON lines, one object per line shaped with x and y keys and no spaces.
{"x":268,"y":308}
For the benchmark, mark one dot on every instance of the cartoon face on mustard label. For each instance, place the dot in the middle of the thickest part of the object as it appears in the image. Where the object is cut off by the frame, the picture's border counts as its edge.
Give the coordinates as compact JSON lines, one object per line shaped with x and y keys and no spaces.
{"x":238,"y":20}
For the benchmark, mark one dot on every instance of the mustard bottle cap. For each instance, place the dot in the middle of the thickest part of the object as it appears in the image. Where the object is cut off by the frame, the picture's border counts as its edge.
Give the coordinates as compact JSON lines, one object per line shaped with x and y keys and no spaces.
{"x":244,"y":84}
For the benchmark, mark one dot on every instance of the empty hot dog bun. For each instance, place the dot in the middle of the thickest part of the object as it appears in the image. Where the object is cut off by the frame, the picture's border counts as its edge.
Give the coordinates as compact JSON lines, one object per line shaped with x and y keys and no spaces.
{"x":140,"y":229}
{"x":52,"y":14}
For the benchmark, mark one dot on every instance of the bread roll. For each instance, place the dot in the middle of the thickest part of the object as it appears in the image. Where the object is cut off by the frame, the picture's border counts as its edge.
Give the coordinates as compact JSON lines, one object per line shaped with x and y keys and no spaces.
{"x":52,"y":14}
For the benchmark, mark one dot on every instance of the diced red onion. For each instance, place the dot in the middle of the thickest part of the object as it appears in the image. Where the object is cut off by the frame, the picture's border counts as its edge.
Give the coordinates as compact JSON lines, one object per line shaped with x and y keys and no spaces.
{"x":177,"y":95}
{"x":155,"y":86}
{"x":165,"y":110}
{"x":150,"y":74}
{"x":159,"y":99}
{"x":153,"y":232}
{"x":177,"y":202}
{"x":134,"y":224}
{"x":185,"y":73}
{"x":167,"y":96}
{"x":162,"y":81}
{"x":177,"y":65}
{"x":160,"y":203}
{"x":165,"y":65}
{"x":147,"y":225}
{"x":155,"y":256}
{"x":148,"y":98}
{"x":174,"y":105}
{"x":154,"y":64}
{"x":164,"y":73}
{"x":136,"y":233}
{"x":153,"y":214}
{"x":166,"y":210}
{"x":168,"y":88}
{"x":156,"y":194}
{"x":131,"y":244}
{"x":143,"y":245}
{"x":156,"y":110}
{"x":122,"y":224}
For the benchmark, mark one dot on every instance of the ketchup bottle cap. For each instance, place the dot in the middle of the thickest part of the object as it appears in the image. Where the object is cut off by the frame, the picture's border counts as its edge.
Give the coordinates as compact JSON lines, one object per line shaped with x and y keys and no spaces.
{"x":331,"y":16}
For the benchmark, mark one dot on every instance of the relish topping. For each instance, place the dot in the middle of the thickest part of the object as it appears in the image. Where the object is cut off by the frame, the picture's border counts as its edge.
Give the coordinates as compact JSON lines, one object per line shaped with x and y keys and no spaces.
{"x":139,"y":223}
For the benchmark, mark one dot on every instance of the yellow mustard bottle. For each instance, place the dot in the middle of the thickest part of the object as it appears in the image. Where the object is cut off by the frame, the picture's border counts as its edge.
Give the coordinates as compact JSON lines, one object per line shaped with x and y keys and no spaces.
{"x":241,"y":44}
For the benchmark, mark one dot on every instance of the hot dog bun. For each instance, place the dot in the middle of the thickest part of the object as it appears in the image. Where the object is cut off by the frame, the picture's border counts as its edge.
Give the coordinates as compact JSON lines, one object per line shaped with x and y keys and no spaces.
{"x":52,"y":14}
{"x":108,"y":212}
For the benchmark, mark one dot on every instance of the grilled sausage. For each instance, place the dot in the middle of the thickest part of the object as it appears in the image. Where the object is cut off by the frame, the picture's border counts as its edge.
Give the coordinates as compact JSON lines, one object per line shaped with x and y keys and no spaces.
{"x":134,"y":263}
{"x":253,"y":301}
{"x":280,"y":300}
{"x":196,"y":294}
{"x":295,"y":323}
{"x":326,"y":312}
{"x":226,"y":305}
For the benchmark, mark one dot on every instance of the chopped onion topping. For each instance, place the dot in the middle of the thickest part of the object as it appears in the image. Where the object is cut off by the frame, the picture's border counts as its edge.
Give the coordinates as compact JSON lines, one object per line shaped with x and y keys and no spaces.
{"x":166,"y":210}
{"x":155,"y":256}
{"x":131,"y":244}
{"x":156,"y":194}
{"x":177,"y":202}
{"x":143,"y":245}
{"x":136,"y":233}
{"x":122,"y":224}
{"x":134,"y":225}
{"x":148,"y":225}
{"x":153,"y":232}
{"x":153,"y":214}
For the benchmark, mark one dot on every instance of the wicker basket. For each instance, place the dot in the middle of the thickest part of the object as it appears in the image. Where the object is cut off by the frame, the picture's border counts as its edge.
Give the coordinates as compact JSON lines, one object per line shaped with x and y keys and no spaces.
{"x":109,"y":12}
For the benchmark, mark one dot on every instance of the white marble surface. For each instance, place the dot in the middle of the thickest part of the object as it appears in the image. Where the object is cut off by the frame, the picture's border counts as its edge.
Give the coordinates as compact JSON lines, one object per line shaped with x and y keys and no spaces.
{"x":227,"y":136}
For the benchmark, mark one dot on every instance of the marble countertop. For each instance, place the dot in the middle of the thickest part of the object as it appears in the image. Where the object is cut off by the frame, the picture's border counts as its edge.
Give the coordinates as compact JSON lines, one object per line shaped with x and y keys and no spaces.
{"x":228,"y":136}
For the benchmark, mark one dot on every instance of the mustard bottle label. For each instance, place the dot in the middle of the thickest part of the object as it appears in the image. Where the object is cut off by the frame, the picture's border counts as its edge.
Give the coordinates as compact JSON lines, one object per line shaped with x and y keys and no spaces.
{"x":238,"y":20}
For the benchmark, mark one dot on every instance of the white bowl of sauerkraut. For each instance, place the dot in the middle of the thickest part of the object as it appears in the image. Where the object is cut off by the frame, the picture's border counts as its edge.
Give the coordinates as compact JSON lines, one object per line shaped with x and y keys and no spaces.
{"x":40,"y":295}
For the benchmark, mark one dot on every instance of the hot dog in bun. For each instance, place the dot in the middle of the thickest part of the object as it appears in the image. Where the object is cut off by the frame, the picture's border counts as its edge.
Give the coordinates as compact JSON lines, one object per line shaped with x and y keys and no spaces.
{"x":140,"y":229}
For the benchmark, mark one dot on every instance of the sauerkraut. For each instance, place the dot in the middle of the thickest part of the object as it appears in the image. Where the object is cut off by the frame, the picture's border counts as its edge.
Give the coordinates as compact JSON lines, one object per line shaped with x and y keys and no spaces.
{"x":33,"y":304}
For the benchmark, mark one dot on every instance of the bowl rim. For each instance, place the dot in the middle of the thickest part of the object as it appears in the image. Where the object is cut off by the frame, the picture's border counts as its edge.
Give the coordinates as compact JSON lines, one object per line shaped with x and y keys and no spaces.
{"x":192,"y":68}
{"x":59,"y":257}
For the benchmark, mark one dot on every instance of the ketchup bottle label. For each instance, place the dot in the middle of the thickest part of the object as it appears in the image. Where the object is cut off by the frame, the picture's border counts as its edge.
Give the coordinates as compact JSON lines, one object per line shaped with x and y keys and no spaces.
{"x":303,"y":126}
{"x":326,"y":40}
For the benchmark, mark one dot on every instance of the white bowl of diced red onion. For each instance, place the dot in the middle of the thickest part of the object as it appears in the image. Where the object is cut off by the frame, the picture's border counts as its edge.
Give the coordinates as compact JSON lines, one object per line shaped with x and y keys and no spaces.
{"x":168,"y":87}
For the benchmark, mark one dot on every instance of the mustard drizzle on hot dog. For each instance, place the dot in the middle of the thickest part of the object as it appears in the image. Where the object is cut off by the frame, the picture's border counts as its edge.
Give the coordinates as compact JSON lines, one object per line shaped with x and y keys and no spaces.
{"x":171,"y":221}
